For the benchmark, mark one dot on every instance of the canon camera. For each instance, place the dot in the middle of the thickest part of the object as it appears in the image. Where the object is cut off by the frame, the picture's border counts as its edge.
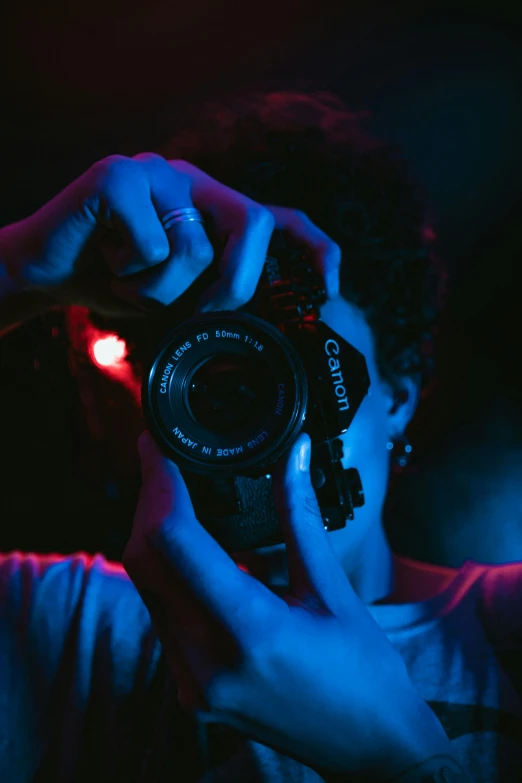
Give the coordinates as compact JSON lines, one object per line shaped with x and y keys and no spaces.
{"x":228,"y":392}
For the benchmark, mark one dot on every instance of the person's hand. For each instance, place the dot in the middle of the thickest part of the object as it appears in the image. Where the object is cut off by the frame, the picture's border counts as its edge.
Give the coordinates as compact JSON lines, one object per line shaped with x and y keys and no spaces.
{"x":311,"y":674}
{"x":100,"y":242}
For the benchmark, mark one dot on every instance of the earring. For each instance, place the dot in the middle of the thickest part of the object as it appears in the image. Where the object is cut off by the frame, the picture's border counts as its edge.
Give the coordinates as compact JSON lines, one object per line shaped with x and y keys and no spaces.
{"x":402,"y":449}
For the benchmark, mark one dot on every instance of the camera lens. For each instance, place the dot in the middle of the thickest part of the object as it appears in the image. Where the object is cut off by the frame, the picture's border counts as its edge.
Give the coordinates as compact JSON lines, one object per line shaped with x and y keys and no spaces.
{"x":226,"y":394}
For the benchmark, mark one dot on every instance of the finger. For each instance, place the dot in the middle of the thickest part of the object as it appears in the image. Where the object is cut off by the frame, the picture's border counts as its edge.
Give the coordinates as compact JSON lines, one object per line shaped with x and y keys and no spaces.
{"x":242,"y":227}
{"x":232,"y":597}
{"x":189,"y":253}
{"x":324,"y":253}
{"x":314,"y":570}
{"x":241,"y":262}
{"x":164,"y":284}
{"x":125,"y":189}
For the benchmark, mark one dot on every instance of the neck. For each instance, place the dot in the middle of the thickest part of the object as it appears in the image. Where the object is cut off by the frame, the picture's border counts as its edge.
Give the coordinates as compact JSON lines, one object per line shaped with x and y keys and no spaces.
{"x":369,"y":566}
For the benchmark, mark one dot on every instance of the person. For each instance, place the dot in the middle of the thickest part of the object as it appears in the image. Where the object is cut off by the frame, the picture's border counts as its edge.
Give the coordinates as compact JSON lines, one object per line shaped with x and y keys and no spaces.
{"x":327,"y":659}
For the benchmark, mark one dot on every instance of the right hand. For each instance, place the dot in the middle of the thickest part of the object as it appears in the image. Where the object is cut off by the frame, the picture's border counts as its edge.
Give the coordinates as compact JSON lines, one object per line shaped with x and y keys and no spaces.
{"x":256,"y":661}
{"x":112,"y":213}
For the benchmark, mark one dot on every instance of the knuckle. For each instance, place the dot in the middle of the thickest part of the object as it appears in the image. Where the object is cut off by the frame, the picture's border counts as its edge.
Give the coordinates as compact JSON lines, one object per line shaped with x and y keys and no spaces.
{"x":260,"y":218}
{"x":258,"y":653}
{"x":110,"y":160}
{"x":218,"y":694}
{"x":179,"y":170}
{"x":148,"y":157}
{"x":154,"y":251}
{"x":196,"y":255}
{"x":323,"y":245}
{"x":238,"y":291}
{"x":260,"y":638}
{"x":202,"y":253}
{"x":332,"y":251}
{"x":164,"y":170}
{"x":113,"y":170}
{"x":176,"y":163}
{"x":183,"y":168}
{"x":266,"y":653}
{"x":113,"y":163}
{"x":300,"y":215}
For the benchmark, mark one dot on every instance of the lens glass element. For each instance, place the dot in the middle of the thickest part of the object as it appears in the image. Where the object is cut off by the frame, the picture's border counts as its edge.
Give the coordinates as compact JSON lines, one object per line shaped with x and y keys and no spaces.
{"x":227,"y":392}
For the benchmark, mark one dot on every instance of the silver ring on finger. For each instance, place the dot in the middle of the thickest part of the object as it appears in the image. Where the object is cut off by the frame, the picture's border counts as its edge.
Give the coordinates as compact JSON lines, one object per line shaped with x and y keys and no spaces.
{"x":183,"y":215}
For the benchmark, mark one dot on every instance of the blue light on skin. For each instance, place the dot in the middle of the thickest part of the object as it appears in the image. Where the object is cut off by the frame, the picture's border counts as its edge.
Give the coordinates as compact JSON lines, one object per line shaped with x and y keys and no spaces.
{"x":361,"y":546}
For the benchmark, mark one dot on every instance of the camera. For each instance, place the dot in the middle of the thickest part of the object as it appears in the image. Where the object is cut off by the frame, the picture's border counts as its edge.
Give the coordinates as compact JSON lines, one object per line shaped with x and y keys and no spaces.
{"x":227,"y":393}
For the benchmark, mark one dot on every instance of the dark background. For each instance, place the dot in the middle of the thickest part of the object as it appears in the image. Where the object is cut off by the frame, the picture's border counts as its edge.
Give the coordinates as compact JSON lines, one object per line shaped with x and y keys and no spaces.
{"x":441,"y":81}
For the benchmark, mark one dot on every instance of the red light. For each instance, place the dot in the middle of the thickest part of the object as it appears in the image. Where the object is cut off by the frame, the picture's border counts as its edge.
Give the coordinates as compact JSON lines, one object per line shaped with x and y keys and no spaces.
{"x":109,"y":350}
{"x":429,"y":234}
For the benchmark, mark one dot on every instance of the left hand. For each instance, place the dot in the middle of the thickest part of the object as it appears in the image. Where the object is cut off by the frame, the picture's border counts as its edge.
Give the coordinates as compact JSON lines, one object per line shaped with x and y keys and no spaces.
{"x":311,"y":675}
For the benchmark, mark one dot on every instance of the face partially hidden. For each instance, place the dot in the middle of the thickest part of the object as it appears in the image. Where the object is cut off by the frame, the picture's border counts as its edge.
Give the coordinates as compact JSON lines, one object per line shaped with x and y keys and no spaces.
{"x":377,"y":421}
{"x":360,"y":546}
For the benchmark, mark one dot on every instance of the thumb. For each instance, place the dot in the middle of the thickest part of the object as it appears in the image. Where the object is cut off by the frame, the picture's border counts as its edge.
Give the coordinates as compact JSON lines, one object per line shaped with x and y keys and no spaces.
{"x":164,"y":496}
{"x":149,"y":453}
{"x":313,"y":568}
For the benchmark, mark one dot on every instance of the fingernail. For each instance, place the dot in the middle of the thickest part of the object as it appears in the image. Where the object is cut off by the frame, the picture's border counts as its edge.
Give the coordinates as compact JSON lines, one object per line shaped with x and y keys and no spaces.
{"x":304,"y":454}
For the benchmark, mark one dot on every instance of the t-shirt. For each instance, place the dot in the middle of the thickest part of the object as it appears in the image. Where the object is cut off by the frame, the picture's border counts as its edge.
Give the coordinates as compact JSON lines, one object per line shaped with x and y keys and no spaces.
{"x":85,"y":694}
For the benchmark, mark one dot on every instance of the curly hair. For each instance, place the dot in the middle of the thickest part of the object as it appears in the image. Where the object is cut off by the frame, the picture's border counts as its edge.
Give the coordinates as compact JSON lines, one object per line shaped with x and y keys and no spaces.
{"x":310,"y":152}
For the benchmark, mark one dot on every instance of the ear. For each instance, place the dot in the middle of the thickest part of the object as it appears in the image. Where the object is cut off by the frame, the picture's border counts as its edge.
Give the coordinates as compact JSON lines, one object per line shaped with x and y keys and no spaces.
{"x":403,"y":399}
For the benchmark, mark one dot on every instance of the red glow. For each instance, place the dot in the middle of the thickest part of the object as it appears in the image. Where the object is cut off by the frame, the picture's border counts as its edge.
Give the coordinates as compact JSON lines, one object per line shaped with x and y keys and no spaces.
{"x":109,"y":350}
{"x":429,"y":234}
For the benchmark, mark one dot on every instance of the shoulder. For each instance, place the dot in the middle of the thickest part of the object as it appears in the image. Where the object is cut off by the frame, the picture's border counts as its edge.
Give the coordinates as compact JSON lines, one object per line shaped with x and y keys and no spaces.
{"x":67,"y":579}
{"x":500,"y":607}
{"x":46,"y":596}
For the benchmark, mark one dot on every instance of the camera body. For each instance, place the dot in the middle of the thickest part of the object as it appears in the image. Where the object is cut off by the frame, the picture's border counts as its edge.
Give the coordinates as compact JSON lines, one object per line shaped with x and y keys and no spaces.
{"x":228,"y":392}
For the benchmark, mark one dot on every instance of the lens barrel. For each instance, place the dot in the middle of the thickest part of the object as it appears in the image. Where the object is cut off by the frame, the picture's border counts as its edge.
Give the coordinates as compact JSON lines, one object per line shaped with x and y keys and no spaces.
{"x":226,"y":395}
